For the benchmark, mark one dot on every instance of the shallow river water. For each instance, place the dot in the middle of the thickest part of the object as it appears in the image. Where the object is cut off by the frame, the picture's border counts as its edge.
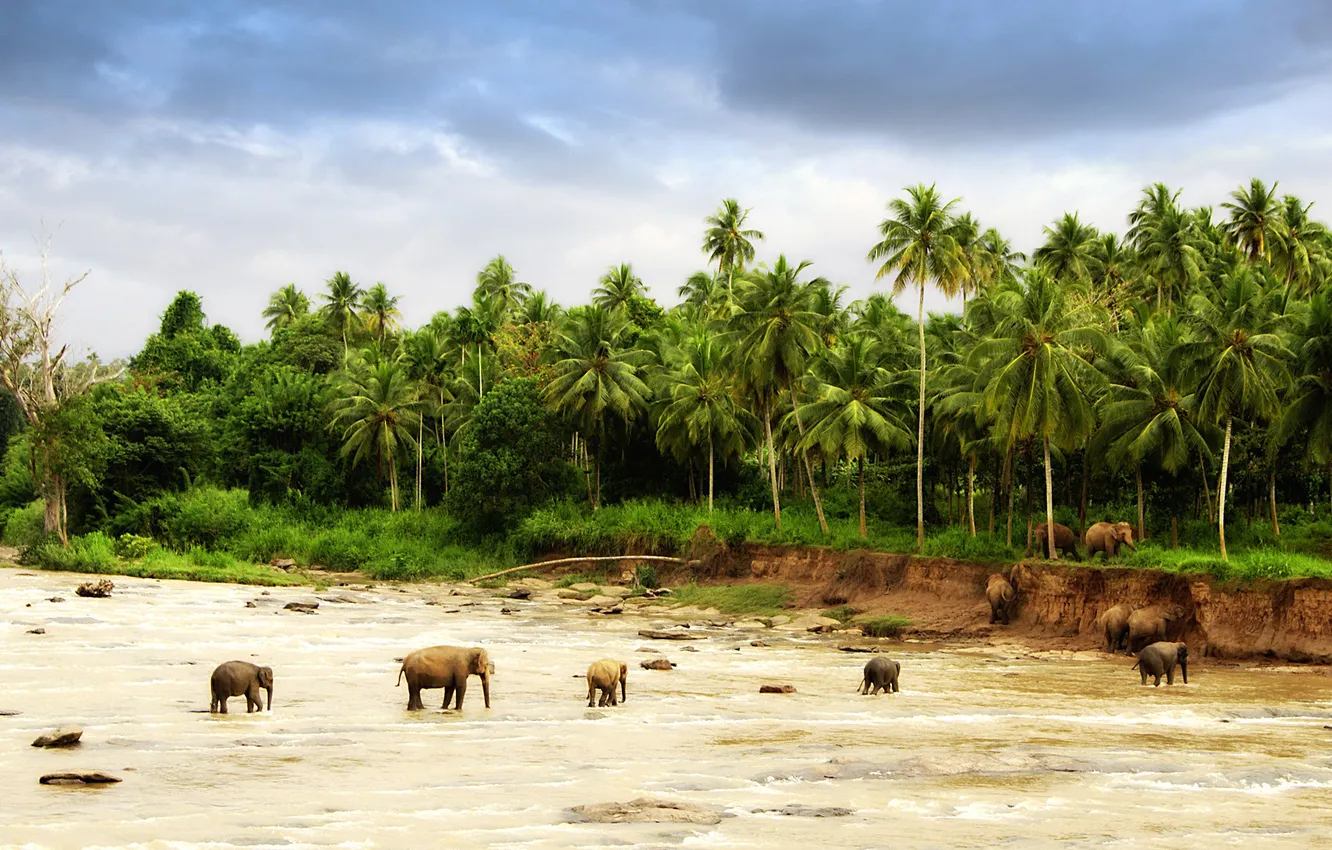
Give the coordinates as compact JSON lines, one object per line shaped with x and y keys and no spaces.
{"x":980,"y":749}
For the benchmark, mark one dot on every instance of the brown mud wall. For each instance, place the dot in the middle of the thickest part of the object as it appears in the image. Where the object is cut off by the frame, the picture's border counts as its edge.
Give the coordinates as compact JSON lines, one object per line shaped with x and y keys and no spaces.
{"x":1057,"y":605}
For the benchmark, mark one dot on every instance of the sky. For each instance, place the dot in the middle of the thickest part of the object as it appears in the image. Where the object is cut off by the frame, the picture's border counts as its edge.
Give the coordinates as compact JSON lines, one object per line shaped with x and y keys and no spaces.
{"x":234,"y":146}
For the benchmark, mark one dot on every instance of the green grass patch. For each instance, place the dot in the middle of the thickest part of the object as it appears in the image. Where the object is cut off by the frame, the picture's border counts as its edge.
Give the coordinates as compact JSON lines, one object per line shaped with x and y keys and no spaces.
{"x":95,"y":553}
{"x":889,"y":626}
{"x":1244,"y":566}
{"x":748,"y":599}
{"x":845,"y":613}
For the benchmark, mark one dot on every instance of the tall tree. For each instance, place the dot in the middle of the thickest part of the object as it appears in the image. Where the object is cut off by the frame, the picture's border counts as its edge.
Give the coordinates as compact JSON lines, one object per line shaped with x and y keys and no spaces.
{"x":1036,"y":381}
{"x":376,"y":407}
{"x":379,"y":311}
{"x":498,"y":282}
{"x":476,"y":326}
{"x":1069,"y":251}
{"x":1301,"y":247}
{"x":342,"y":305}
{"x":1255,"y":214}
{"x":728,"y":243}
{"x":1308,"y":408}
{"x":918,"y":248}
{"x":617,"y":287}
{"x":285,"y":306}
{"x":775,"y":333}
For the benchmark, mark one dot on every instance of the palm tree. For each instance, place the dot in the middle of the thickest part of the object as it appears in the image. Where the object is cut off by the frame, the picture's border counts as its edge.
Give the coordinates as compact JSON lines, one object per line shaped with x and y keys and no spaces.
{"x":1036,"y":381}
{"x":595,"y":379}
{"x":476,"y":325}
{"x":539,"y":309}
{"x":995,"y":260}
{"x":1254,"y":216}
{"x":966,"y":232}
{"x":285,"y":306}
{"x":617,"y":288}
{"x":377,"y":409}
{"x":1169,"y":242}
{"x":498,"y":282}
{"x":775,"y":333}
{"x":1309,"y":402}
{"x":379,"y":311}
{"x":702,"y":409}
{"x":856,"y":411}
{"x":727,"y":243}
{"x":1301,"y":247}
{"x":342,"y":304}
{"x":425,"y":355}
{"x":1240,"y":357}
{"x":1069,"y":252}
{"x":1111,"y":274}
{"x":918,"y":248}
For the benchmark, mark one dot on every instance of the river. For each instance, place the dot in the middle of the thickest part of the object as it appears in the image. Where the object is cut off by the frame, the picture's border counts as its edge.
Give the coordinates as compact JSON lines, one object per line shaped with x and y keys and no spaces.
{"x":982,"y":747}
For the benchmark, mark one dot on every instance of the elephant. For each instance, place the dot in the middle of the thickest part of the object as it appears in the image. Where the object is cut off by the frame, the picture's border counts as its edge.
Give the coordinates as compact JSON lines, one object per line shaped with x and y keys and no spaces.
{"x":1064,"y":540}
{"x":445,"y":667}
{"x":237,"y":678}
{"x":1147,"y":625}
{"x":880,"y":674}
{"x":1159,"y":660}
{"x":1116,"y":624}
{"x":1001,"y":595}
{"x":1106,"y":537}
{"x":602,"y":676}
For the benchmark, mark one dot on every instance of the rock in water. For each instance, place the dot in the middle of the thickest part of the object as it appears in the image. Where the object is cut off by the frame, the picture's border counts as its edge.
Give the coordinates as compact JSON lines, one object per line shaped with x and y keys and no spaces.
{"x":99,"y":589}
{"x":777,"y":689}
{"x":657,"y":634}
{"x":656,"y":664}
{"x":56,"y":599}
{"x":37,"y":631}
{"x":282,"y":563}
{"x":89,"y":777}
{"x":802,"y":811}
{"x":647,"y":810}
{"x":302,"y":607}
{"x":65,"y":736}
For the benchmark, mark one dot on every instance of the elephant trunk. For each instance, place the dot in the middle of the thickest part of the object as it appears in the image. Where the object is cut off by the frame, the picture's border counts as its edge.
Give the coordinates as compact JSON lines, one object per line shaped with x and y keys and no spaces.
{"x":270,"y":697}
{"x":1184,"y":670}
{"x":624,"y":690}
{"x":485,"y":687}
{"x":1129,"y":543}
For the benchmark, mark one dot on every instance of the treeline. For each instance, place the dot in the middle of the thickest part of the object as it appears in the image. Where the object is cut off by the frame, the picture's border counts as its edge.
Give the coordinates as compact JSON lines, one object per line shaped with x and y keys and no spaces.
{"x":1171,"y":372}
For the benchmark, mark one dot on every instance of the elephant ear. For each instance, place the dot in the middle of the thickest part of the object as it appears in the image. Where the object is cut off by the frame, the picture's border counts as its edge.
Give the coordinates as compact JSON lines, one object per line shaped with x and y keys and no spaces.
{"x":480,"y":663}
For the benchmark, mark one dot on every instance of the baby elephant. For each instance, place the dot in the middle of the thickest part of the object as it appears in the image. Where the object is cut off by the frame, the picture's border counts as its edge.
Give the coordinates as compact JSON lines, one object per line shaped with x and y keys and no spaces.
{"x":881,"y":675}
{"x":1159,"y":660}
{"x":1064,"y":541}
{"x":603,"y":676}
{"x":1000,"y":594}
{"x":237,"y":678}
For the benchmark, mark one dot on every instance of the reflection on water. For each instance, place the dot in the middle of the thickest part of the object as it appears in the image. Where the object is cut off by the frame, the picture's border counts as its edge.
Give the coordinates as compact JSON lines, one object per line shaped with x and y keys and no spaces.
{"x":978,"y":749}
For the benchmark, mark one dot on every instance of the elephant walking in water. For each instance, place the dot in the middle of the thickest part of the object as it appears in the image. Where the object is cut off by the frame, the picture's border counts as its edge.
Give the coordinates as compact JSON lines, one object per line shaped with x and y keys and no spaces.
{"x":1160,"y":659}
{"x":602,"y":676}
{"x":881,"y":675}
{"x":445,"y":667}
{"x":241,"y":678}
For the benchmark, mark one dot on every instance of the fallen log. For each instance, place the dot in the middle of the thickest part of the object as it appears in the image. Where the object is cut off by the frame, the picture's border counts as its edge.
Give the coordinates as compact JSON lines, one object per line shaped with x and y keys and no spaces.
{"x":541,"y":565}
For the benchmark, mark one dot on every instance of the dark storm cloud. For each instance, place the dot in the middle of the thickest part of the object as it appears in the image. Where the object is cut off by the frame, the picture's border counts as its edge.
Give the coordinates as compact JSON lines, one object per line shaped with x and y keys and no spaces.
{"x":963,"y":71}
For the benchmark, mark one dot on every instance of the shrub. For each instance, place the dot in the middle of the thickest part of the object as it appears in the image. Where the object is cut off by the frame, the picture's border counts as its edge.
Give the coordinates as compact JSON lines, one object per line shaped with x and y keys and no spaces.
{"x":24,"y":526}
{"x":841,"y":612}
{"x":342,"y":550}
{"x":207,"y":516}
{"x":132,"y":547}
{"x":91,"y":553}
{"x":646,"y":576}
{"x":889,"y":626}
{"x":958,"y":543}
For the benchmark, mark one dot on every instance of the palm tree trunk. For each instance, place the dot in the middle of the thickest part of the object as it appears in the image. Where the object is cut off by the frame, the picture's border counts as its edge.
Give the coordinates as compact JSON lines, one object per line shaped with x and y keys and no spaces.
{"x":1221,"y":493}
{"x":1271,"y":500}
{"x":444,"y":451}
{"x":596,"y":468}
{"x":1009,"y":484}
{"x":1049,"y":504}
{"x":860,"y":465}
{"x":772,"y":467}
{"x":1137,"y":476}
{"x":804,"y":454}
{"x":1086,"y":483}
{"x":971,"y":493}
{"x":480,"y":379}
{"x":920,"y":429}
{"x":420,"y":467}
{"x":710,"y":456}
{"x":1174,"y":532}
{"x":393,"y":485}
{"x":1207,"y":490}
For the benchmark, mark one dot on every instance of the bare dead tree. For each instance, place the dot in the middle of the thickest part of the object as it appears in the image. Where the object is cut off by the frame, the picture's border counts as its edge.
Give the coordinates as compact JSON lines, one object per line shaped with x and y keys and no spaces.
{"x":33,"y":370}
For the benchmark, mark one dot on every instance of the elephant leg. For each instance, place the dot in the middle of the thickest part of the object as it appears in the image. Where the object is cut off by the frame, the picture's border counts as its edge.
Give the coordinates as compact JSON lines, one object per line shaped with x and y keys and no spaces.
{"x":1143,"y":671}
{"x":994,"y":615}
{"x":591,"y":694}
{"x":448,"y":696}
{"x":461,"y":691}
{"x":222,"y":703}
{"x":413,"y":698}
{"x":1156,"y":683}
{"x":1170,"y":675}
{"x":614,"y":697}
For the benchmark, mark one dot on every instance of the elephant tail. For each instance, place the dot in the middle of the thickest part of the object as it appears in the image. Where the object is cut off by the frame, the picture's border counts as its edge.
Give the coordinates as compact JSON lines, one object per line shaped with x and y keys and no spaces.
{"x":1135,"y":664}
{"x":401,"y":670}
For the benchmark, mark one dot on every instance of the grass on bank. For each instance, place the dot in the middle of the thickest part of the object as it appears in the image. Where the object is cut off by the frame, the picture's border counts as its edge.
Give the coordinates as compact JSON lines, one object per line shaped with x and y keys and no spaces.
{"x":753,"y":600}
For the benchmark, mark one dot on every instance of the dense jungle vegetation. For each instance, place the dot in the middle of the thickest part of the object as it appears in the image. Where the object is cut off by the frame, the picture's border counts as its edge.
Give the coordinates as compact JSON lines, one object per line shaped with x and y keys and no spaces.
{"x":1178,"y":376}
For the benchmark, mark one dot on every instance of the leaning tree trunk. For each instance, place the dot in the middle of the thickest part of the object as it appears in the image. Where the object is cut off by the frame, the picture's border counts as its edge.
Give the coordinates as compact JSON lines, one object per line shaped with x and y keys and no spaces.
{"x":804,"y":455}
{"x":444,"y":453}
{"x":772,"y":467}
{"x":971,"y":493}
{"x":920,"y":430}
{"x":1221,"y":493}
{"x":1049,"y":504}
{"x":860,"y":465}
{"x":1137,"y":476}
{"x":1271,"y":500}
{"x":710,"y":456}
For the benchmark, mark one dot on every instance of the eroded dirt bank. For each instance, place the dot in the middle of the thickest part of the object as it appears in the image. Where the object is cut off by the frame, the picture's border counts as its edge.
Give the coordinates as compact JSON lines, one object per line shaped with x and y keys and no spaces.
{"x":1058,"y":606}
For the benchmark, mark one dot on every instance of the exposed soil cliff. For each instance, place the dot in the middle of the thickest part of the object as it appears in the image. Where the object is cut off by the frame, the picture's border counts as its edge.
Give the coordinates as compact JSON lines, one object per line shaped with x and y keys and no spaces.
{"x":1057,"y":605}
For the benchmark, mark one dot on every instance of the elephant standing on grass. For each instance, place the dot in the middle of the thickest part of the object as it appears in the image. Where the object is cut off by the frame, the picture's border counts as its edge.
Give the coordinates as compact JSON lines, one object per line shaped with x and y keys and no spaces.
{"x":602,"y":676}
{"x":445,"y":667}
{"x":881,"y":675}
{"x":1105,"y":537}
{"x":1160,"y":659}
{"x":1064,"y":540}
{"x":1116,"y":624}
{"x":237,"y":678}
{"x":1000,"y":594}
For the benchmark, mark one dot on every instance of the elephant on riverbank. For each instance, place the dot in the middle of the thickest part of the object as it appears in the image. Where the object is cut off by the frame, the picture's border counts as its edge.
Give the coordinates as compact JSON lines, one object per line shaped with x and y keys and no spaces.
{"x":602,"y":676}
{"x":241,"y":678}
{"x":445,"y":667}
{"x":1116,"y":625}
{"x":1066,"y":543}
{"x":881,"y":675}
{"x":1148,"y":625}
{"x":1107,"y":537}
{"x":1160,"y":659}
{"x":1000,"y":595}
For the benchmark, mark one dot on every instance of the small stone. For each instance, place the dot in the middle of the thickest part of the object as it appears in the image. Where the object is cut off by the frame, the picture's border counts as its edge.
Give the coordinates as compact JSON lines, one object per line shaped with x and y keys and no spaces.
{"x":648,"y":810}
{"x":568,"y":593}
{"x":302,"y":607}
{"x":609,"y":609}
{"x":65,"y":736}
{"x":780,"y":620}
{"x":601,"y":601}
{"x":282,"y":563}
{"x":658,"y":634}
{"x":99,"y":589}
{"x":265,"y":593}
{"x":690,"y":648}
{"x":508,"y":610}
{"x":777,"y":689}
{"x":758,"y":643}
{"x":617,"y":592}
{"x":250,"y":605}
{"x":656,"y":664}
{"x":801,"y":811}
{"x":37,"y":631}
{"x":91,"y":777}
{"x":585,"y":587}
{"x":56,"y":599}
{"x":520,"y":593}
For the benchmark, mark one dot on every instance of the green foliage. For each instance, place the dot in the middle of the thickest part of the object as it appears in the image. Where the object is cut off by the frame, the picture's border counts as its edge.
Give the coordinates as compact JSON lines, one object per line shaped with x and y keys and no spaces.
{"x":645,"y":575}
{"x":842,"y":612}
{"x":754,"y":600}
{"x":132,"y":547}
{"x":957,"y":543}
{"x":24,"y":525}
{"x":884,"y":627}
